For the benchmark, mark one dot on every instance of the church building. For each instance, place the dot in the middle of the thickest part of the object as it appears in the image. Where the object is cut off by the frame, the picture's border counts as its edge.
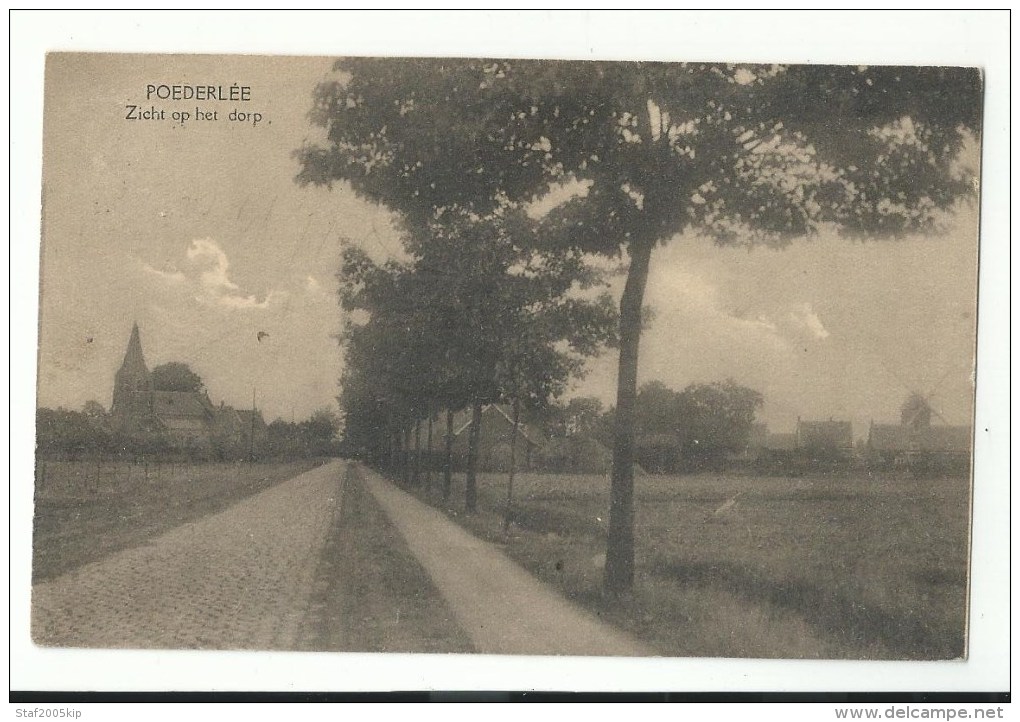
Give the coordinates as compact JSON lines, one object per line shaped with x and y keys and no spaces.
{"x":187,"y":419}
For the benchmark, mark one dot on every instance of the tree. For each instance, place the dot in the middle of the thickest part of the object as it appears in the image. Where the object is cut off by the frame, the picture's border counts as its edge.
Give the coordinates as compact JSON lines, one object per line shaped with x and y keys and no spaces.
{"x":660,"y":410}
{"x":659,"y":435}
{"x":315,"y":436}
{"x":93,"y":409}
{"x":716,"y":418}
{"x":474,"y":319}
{"x":323,"y":425}
{"x":517,"y":331}
{"x":694,"y":427}
{"x":739,"y":154}
{"x":176,"y":376}
{"x":63,"y":433}
{"x":319,"y":432}
{"x":580,"y":415}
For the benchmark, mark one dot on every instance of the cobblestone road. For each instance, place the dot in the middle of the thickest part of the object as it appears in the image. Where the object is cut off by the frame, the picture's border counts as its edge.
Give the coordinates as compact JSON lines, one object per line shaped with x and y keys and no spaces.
{"x":238,"y":579}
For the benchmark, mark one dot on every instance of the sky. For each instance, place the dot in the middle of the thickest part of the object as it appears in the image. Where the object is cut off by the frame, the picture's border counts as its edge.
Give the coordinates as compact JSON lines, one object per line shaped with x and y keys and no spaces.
{"x":199,"y":233}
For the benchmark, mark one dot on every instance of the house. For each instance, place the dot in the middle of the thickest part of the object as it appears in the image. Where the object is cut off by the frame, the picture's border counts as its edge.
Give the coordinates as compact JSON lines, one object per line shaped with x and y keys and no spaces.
{"x":186,"y":419}
{"x":920,"y":446}
{"x":494,"y":439}
{"x":242,"y":429}
{"x":826,"y":439}
{"x":810,"y":440}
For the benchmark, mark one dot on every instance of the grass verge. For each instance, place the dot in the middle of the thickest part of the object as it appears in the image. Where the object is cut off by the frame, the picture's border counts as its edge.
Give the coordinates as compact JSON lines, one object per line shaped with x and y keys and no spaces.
{"x":824,"y":568}
{"x":371,"y":594}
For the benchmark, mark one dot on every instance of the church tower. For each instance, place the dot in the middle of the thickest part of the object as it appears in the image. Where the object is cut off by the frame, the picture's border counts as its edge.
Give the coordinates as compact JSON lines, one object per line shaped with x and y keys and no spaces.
{"x":132,"y":382}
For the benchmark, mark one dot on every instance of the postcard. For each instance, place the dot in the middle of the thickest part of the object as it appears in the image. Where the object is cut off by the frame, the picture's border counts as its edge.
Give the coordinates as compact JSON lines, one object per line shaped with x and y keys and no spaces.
{"x":501,"y":356}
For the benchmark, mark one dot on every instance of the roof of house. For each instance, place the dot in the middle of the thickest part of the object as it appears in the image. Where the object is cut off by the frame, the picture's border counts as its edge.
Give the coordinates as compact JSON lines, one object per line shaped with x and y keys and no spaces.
{"x":947,"y":438}
{"x":183,"y":423}
{"x":888,"y":437}
{"x":462,"y":421}
{"x":897,"y":437}
{"x":180,"y":404}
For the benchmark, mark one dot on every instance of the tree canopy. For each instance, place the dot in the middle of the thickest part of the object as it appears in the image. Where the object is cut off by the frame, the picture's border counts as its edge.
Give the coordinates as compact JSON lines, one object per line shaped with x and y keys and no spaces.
{"x":700,"y":424}
{"x":740,"y":152}
{"x":473,"y":318}
{"x":175,"y":376}
{"x":644,"y":152}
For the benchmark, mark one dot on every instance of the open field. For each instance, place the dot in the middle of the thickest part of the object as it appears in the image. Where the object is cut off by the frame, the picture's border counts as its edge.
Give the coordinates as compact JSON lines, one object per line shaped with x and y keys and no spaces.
{"x":848,"y":567}
{"x":85,"y":511}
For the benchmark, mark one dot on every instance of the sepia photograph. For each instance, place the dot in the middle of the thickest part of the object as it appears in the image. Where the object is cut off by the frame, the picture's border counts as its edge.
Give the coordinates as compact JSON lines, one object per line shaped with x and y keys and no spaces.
{"x":515,"y":356}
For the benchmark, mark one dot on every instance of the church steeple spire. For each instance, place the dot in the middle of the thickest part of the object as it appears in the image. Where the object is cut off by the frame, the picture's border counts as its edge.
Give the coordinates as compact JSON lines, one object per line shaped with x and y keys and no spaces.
{"x":132,"y":377}
{"x":134,"y":359}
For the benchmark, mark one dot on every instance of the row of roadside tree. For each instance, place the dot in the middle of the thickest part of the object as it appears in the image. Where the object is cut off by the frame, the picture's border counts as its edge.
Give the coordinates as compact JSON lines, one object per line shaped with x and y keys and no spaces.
{"x":509,"y":176}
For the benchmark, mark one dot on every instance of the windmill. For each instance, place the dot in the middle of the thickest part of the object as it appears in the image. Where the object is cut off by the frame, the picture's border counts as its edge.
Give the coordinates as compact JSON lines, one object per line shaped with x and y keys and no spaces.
{"x":918,"y":447}
{"x":917,"y":409}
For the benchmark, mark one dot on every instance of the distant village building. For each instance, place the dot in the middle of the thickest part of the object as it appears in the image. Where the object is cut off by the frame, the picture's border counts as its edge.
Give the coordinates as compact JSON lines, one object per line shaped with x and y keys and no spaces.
{"x":825,"y":438}
{"x":497,"y":430}
{"x":816,"y":439}
{"x":920,"y":446}
{"x":187,"y":419}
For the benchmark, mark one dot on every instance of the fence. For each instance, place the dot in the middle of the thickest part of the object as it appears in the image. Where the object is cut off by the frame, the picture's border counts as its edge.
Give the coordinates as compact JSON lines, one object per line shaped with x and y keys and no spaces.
{"x":97,"y":478}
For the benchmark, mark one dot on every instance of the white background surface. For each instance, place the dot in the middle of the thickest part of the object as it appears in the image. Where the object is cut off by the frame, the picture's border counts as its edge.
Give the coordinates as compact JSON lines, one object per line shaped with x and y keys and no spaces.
{"x":870,"y":37}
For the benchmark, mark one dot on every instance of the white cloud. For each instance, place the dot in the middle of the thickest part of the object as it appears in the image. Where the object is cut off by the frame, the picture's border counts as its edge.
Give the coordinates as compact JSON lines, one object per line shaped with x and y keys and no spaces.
{"x":171,"y":275}
{"x":207,"y":275}
{"x":699,"y":305}
{"x":804,"y":319}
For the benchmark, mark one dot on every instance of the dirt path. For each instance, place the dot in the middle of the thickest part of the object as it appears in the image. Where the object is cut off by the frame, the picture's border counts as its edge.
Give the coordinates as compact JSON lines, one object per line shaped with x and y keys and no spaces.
{"x":502,"y":608}
{"x":237,"y":579}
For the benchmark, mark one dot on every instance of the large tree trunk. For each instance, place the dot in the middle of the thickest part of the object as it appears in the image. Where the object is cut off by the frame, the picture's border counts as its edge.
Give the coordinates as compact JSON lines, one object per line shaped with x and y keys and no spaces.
{"x":619,"y":572}
{"x":471,"y":485}
{"x":448,"y":465}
